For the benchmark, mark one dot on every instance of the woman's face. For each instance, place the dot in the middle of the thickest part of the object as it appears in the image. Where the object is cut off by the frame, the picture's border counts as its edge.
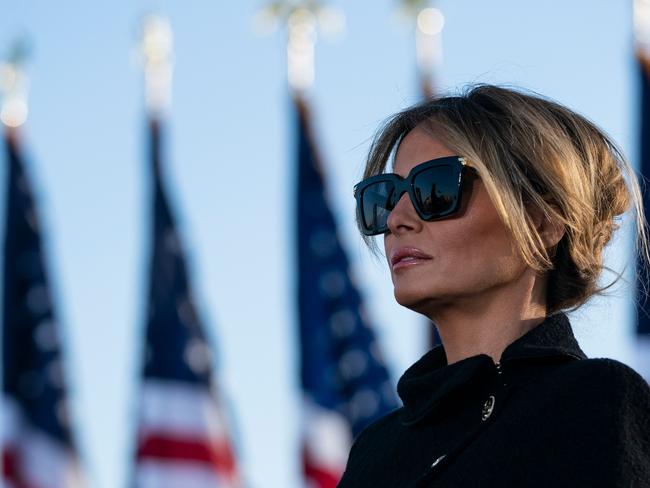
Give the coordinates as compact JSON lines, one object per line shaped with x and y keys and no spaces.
{"x":462,"y":260}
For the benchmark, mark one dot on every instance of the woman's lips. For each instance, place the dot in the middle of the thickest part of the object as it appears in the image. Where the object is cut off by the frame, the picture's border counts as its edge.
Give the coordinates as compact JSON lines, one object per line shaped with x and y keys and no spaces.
{"x":404,"y":257}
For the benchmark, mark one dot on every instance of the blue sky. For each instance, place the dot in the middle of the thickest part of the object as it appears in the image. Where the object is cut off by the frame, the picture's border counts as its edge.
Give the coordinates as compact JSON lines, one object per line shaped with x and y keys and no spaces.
{"x":231,"y":119}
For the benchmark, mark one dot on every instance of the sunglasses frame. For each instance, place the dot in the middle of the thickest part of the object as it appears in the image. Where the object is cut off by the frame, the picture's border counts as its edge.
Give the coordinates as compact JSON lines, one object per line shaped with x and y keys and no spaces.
{"x":406,"y":185}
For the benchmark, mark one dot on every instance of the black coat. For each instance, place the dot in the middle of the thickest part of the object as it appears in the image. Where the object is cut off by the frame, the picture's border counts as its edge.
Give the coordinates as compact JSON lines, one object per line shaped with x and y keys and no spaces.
{"x":545,"y":416}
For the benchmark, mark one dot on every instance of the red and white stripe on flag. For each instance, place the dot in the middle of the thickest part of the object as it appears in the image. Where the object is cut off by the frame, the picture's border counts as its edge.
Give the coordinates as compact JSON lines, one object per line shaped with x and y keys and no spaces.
{"x":182,"y":438}
{"x":326,"y":443}
{"x":30,"y":457}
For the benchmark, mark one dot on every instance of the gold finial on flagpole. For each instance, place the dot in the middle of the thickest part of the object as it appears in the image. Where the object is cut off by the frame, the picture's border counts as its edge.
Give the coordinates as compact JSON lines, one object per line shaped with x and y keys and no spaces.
{"x":303,"y":19}
{"x":429,"y":23}
{"x":14,"y":86}
{"x":157,"y":58}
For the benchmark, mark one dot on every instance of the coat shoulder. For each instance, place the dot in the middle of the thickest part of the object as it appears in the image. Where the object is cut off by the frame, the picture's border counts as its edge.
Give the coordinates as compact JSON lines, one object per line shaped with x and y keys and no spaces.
{"x":380,"y":427}
{"x":612,"y":373}
{"x":615,"y":397}
{"x":369,"y":449}
{"x":604,"y":381}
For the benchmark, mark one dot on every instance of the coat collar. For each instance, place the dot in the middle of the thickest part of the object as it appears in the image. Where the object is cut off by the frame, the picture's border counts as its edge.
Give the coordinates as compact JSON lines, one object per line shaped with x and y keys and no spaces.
{"x":430,"y":380}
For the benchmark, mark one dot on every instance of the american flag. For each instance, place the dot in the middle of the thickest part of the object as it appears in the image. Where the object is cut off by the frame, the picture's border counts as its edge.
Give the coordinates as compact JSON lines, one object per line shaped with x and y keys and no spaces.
{"x":183,"y":439}
{"x":643,"y":300}
{"x":37,"y":444}
{"x":344,"y":381}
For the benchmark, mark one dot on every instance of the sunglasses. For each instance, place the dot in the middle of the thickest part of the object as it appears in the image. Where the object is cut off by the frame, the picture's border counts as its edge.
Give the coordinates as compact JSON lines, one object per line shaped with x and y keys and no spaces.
{"x":433,"y":186}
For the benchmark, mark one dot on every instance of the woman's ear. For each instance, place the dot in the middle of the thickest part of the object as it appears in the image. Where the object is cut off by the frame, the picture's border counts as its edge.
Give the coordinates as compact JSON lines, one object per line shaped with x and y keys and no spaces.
{"x":550,"y":230}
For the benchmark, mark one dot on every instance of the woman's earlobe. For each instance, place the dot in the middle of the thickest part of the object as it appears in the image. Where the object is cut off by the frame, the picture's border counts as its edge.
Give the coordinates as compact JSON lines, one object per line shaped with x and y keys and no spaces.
{"x":536,"y":216}
{"x":550,"y":230}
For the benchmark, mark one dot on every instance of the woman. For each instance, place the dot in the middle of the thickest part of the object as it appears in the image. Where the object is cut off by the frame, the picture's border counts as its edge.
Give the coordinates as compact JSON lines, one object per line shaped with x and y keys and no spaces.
{"x":494,"y":222}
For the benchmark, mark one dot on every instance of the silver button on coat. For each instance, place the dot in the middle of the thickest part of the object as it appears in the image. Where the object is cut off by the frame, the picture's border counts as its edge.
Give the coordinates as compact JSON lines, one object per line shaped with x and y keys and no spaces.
{"x":488,"y":406}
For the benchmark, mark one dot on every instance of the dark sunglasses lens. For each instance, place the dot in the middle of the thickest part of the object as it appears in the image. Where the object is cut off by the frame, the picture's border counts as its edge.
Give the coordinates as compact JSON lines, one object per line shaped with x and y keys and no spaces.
{"x":436,"y":190}
{"x":377,"y":200}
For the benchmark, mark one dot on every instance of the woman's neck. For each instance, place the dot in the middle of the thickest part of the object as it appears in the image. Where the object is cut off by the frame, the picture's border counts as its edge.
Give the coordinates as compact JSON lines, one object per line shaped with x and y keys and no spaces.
{"x":487,"y":324}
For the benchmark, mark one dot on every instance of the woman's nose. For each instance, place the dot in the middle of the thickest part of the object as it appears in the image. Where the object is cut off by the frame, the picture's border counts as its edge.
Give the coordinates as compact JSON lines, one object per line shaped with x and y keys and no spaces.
{"x":403,"y":217}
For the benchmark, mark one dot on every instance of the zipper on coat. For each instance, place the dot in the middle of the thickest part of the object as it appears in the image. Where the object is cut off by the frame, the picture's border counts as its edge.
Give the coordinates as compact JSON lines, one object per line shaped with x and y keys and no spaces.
{"x":499,"y":368}
{"x":497,"y":364}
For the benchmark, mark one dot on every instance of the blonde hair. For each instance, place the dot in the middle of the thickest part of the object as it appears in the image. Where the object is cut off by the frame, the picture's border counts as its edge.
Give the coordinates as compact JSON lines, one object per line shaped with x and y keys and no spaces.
{"x":529,"y":150}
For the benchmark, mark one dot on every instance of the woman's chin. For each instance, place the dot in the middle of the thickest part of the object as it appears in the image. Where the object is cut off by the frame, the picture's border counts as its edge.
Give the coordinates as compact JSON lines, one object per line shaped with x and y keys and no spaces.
{"x":415,"y":299}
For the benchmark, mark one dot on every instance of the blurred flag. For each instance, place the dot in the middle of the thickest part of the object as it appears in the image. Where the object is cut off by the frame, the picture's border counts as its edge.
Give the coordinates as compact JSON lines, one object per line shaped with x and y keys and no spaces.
{"x":183,"y":439}
{"x":643,"y":302}
{"x":37,"y":444}
{"x":345,"y":383}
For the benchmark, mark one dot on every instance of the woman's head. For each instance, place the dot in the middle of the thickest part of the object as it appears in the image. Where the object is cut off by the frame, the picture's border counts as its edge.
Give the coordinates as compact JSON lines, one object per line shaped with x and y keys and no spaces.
{"x":550,"y":185}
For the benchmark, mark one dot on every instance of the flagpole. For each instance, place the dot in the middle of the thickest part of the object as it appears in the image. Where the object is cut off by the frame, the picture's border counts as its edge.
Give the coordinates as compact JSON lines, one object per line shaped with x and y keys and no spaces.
{"x":641,"y":19}
{"x":428,"y":23}
{"x":156,"y":49}
{"x":156,"y":54}
{"x":14,"y":90}
{"x":304,"y":20}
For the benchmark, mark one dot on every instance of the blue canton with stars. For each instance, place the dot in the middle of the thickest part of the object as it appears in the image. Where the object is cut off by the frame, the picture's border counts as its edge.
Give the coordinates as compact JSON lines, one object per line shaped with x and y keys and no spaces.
{"x":341,"y":365}
{"x":176,"y":347}
{"x":33,"y":374}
